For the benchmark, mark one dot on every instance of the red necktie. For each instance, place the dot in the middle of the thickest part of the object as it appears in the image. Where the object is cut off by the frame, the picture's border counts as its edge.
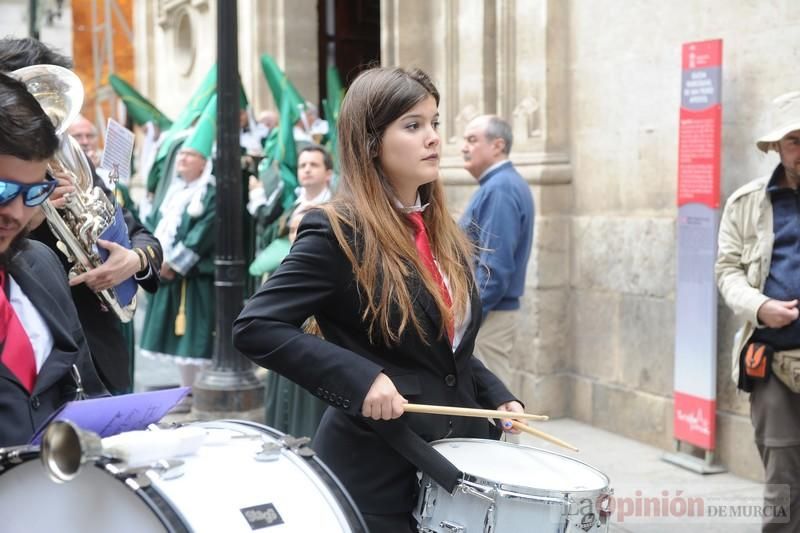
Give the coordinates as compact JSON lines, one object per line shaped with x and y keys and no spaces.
{"x":424,"y":249}
{"x":17,"y":348}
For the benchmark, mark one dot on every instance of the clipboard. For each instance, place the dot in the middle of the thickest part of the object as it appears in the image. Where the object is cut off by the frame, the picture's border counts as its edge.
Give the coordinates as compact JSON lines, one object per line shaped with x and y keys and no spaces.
{"x":116,"y":414}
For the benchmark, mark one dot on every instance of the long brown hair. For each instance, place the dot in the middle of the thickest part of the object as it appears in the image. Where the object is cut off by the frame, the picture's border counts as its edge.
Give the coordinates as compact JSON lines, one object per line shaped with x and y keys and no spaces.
{"x":381,"y":252}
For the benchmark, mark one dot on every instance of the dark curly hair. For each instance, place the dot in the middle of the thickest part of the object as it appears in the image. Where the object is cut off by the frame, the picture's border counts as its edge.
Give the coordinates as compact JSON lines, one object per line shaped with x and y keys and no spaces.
{"x":17,"y":53}
{"x":26,"y":132}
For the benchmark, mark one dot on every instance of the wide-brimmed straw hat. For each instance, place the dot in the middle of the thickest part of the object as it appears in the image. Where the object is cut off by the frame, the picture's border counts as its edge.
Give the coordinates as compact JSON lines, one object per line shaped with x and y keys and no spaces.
{"x":784,"y":118}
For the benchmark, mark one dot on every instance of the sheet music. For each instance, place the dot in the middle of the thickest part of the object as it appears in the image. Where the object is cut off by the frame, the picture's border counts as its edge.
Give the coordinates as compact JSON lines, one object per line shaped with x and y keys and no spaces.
{"x":118,"y":150}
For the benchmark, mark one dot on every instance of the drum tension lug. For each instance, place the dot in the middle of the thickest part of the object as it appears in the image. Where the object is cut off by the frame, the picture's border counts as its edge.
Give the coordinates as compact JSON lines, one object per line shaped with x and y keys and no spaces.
{"x":136,"y":477}
{"x":271,"y":450}
{"x":451,"y":527}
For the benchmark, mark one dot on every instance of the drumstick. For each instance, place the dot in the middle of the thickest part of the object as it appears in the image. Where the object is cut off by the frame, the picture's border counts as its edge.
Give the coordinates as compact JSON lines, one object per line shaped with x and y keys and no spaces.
{"x":542,"y":435}
{"x":466,"y":411}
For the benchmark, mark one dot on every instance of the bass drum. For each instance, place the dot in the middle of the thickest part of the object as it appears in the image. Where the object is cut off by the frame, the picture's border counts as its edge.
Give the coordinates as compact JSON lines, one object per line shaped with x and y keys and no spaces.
{"x":243,"y":478}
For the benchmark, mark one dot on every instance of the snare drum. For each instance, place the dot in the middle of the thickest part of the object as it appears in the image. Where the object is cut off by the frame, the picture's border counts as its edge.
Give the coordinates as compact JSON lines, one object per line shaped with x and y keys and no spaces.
{"x":509,"y":488}
{"x":244,"y":477}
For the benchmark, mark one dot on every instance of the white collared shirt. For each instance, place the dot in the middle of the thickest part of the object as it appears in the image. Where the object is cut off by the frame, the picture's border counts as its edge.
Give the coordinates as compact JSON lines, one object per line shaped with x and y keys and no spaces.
{"x":460,"y":322}
{"x":323,"y":196}
{"x":33,"y":323}
{"x":491,"y":168}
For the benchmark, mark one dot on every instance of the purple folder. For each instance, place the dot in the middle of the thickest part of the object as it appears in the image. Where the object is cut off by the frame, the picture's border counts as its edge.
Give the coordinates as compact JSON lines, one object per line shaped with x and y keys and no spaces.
{"x":116,"y":414}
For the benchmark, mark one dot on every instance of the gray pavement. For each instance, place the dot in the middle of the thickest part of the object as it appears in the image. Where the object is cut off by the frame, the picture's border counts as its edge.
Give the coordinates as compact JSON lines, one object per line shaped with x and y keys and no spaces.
{"x":149,"y":373}
{"x":637,"y":474}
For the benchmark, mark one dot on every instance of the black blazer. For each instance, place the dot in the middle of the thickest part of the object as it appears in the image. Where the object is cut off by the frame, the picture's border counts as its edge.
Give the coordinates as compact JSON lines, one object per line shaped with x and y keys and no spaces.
{"x":40,"y":275}
{"x":317,"y":279}
{"x":101,"y":325}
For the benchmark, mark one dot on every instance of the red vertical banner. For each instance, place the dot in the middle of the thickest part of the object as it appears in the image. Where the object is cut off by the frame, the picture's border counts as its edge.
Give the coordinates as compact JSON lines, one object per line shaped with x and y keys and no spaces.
{"x":698,"y":201}
{"x":700,"y":124}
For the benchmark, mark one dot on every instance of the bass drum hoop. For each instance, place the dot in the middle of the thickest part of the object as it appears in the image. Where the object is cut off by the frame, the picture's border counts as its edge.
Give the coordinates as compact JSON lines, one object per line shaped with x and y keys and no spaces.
{"x":161,"y":507}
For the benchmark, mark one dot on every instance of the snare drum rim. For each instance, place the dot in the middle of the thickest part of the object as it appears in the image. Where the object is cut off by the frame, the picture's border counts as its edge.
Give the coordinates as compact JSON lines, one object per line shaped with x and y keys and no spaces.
{"x":532,"y":491}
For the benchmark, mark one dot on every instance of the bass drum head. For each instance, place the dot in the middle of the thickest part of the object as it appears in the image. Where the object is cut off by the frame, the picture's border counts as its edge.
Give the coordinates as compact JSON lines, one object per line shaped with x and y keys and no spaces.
{"x":93,"y":502}
{"x":521,"y":466}
{"x":227,"y":486}
{"x":241,"y":479}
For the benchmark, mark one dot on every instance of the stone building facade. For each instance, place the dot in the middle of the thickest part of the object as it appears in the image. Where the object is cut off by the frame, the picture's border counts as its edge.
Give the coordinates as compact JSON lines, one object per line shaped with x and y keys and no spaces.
{"x":592,"y":91}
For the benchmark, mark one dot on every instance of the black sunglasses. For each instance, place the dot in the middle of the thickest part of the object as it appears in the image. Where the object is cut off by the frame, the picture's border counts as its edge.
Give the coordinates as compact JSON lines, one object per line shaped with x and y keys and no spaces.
{"x":33,"y":194}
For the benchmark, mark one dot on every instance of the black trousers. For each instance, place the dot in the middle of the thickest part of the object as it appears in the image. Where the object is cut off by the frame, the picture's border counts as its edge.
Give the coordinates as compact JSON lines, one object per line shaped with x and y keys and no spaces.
{"x":390,"y":523}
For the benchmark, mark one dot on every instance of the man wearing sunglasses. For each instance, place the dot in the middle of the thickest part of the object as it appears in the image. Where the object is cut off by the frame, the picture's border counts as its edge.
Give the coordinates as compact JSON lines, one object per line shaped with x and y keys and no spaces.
{"x":111,"y":351}
{"x":44,"y":357}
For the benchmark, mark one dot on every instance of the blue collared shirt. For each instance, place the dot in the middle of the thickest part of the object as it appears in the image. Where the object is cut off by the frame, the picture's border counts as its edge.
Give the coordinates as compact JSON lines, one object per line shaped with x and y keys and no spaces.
{"x":499,"y":220}
{"x":783,"y":280}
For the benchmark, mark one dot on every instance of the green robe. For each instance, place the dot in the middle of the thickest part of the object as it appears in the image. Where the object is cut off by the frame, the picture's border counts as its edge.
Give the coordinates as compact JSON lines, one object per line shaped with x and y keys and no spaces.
{"x":158,"y":334}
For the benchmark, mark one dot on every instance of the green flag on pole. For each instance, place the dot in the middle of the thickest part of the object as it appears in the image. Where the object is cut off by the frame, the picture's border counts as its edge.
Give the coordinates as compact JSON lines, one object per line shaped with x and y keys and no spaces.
{"x":243,"y":102}
{"x":280,"y":151}
{"x":285,"y":149}
{"x":139,"y":108}
{"x":281,"y":147}
{"x":282,"y":88}
{"x":333,"y":83}
{"x":332,"y":105}
{"x":197,"y":103}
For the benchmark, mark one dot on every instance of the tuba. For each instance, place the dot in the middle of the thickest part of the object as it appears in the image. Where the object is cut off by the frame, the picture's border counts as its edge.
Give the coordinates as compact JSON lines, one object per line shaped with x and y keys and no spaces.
{"x":88,"y":213}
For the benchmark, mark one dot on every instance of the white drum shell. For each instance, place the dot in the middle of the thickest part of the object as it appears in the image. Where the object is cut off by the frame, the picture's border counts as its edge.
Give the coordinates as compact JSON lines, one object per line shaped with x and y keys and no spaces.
{"x":93,"y":502}
{"x":534,"y":501}
{"x":212,"y":494}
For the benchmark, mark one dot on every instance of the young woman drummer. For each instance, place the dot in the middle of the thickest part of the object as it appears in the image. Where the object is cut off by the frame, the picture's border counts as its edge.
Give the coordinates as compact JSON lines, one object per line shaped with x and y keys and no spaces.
{"x":398,"y":325}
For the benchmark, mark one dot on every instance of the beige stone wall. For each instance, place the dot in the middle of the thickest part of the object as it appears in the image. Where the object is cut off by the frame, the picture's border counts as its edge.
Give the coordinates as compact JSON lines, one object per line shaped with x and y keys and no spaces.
{"x":593,"y":93}
{"x":625,"y":81}
{"x":168,"y":73}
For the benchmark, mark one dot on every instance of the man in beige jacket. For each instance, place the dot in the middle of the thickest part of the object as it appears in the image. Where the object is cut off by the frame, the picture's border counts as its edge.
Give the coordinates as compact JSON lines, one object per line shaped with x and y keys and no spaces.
{"x":758,"y":274}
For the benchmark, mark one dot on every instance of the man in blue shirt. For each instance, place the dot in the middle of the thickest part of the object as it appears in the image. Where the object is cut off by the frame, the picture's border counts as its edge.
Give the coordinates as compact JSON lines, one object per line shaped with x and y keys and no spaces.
{"x":499,"y":220}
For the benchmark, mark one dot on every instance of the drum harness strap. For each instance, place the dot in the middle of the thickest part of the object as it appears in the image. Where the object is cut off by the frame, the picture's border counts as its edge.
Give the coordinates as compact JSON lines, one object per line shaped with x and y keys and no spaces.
{"x":416,"y":451}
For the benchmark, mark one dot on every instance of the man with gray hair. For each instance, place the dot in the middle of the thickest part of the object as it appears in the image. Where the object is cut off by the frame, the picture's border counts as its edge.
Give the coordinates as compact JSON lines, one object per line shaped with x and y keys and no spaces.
{"x":499,"y":220}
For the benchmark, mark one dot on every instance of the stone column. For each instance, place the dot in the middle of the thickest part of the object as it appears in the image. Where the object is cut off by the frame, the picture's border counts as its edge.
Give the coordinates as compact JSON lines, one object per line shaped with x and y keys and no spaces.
{"x":287,"y":30}
{"x":178,"y":36}
{"x":178,"y":57}
{"x":144,"y":46}
{"x":507,"y":57}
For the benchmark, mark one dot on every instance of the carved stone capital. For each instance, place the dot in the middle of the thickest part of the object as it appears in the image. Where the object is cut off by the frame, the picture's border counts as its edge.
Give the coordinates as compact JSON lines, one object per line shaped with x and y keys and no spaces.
{"x":168,"y":8}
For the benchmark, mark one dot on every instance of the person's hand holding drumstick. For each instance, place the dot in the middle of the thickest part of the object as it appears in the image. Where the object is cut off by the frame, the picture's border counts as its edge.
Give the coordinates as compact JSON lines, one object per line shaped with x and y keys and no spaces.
{"x":507,"y":423}
{"x":383,"y":402}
